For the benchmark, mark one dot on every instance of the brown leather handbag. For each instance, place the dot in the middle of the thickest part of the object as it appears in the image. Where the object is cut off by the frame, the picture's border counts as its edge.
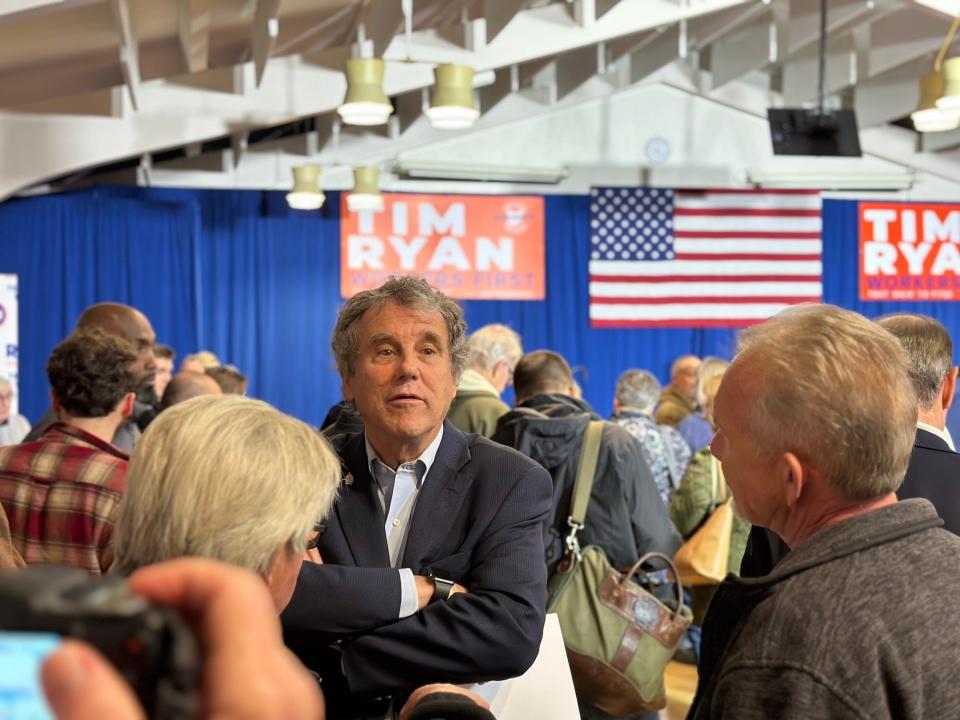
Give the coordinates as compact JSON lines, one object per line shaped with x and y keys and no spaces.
{"x":619,"y":637}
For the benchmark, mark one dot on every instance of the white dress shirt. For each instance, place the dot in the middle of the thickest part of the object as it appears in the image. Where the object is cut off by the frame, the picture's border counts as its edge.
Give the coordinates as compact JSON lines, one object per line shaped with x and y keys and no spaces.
{"x":407,"y":480}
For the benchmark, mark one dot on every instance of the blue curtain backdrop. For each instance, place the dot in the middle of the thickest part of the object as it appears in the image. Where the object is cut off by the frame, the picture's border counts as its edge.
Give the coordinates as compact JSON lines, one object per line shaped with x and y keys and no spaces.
{"x":238,"y":273}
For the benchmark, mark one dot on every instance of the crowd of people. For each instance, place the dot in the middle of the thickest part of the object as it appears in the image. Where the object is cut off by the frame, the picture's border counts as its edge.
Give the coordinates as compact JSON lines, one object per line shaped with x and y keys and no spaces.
{"x":396,"y":562}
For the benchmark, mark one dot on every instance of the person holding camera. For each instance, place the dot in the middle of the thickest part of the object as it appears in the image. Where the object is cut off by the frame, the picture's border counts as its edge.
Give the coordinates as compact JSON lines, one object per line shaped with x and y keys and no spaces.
{"x":247,"y":672}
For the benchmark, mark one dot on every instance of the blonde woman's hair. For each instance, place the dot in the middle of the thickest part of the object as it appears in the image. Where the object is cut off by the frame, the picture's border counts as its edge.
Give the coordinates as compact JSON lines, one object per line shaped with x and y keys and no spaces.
{"x":834,"y":389}
{"x":710,"y":369}
{"x":223,"y":477}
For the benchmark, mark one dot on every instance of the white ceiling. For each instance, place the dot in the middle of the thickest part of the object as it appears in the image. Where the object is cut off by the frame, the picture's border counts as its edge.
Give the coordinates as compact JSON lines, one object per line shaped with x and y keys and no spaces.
{"x":184,"y":89}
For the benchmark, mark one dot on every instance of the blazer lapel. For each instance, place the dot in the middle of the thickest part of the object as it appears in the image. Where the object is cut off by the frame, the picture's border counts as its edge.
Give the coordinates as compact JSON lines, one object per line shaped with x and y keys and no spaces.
{"x":438,"y":502}
{"x":358,"y":509}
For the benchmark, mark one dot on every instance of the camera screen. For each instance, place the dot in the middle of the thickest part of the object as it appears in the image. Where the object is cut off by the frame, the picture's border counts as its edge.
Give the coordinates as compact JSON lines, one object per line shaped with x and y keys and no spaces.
{"x":21,"y":695}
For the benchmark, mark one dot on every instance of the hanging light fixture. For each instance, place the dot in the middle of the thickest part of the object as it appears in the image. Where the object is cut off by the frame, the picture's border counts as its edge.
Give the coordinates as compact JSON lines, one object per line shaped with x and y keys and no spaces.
{"x":366,"y":193}
{"x":365,"y":102}
{"x":950,"y":82}
{"x":928,"y":117}
{"x":306,"y":193}
{"x":452,"y":106}
{"x":939,"y":108}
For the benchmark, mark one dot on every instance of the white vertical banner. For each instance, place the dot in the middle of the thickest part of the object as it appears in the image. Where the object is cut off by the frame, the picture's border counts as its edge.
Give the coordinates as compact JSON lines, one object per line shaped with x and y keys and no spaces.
{"x":9,"y":336}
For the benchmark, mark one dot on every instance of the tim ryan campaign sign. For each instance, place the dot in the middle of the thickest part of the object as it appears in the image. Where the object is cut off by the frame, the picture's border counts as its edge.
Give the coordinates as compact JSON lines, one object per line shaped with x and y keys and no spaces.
{"x":908,"y":251}
{"x":468,"y":246}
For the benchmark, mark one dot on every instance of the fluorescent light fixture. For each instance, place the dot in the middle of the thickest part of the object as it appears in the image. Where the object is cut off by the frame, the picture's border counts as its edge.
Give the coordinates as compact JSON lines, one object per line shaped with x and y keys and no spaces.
{"x":366,"y":193}
{"x":452,"y":106}
{"x":429,"y":170}
{"x":306,"y":193}
{"x":834,"y":181}
{"x":365,"y":102}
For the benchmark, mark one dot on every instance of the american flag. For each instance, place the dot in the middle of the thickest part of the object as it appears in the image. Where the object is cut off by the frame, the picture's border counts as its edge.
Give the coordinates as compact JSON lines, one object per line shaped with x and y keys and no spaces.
{"x":715,"y":258}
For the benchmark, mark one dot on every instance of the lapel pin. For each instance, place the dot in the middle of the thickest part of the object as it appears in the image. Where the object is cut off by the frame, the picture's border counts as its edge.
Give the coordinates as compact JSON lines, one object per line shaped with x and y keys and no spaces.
{"x":348,"y":479}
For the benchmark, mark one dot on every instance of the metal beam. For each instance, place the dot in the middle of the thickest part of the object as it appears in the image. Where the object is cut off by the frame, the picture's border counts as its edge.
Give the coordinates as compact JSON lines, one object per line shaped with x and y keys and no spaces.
{"x":129,"y":52}
{"x":498,"y":14}
{"x":193,"y":29}
{"x":576,"y":68}
{"x":743,"y":48}
{"x":709,"y":28}
{"x":266,"y":27}
{"x":659,"y":51}
{"x":102,"y":103}
{"x":382,"y":20}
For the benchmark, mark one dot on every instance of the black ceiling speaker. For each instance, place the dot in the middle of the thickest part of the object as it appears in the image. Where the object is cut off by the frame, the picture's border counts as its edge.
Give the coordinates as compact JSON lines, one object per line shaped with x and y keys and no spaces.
{"x":798,"y":131}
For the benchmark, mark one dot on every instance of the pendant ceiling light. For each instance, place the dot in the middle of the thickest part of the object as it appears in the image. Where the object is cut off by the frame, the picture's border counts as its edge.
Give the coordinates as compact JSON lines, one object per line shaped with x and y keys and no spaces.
{"x":306,"y":193}
{"x":452,"y":106}
{"x":950,"y":97}
{"x":365,"y":102}
{"x":366,"y":193}
{"x":928,"y":117}
{"x":939,"y":108}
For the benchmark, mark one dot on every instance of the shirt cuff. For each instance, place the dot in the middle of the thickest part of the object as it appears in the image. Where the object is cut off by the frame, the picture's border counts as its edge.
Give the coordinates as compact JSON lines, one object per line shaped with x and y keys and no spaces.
{"x":408,"y":593}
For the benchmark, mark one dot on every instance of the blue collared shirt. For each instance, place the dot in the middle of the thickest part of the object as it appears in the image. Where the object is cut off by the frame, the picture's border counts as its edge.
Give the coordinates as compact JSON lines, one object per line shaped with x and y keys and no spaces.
{"x":407,"y":479}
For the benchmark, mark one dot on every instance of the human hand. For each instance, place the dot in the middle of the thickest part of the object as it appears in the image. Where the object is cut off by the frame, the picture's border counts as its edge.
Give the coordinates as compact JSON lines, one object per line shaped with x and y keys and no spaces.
{"x":420,"y":693}
{"x":247,"y":672}
{"x":425,"y":589}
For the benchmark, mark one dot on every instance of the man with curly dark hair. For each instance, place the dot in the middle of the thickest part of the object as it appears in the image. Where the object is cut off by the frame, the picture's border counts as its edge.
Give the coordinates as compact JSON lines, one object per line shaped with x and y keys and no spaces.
{"x":61,"y":492}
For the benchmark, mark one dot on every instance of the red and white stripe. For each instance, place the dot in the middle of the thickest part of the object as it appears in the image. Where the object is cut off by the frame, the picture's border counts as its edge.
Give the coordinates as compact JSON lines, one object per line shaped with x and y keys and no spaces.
{"x":741,"y":257}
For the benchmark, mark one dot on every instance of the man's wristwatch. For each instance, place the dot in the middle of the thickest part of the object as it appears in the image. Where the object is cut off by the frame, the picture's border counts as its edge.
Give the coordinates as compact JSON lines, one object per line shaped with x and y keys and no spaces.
{"x":442,"y":588}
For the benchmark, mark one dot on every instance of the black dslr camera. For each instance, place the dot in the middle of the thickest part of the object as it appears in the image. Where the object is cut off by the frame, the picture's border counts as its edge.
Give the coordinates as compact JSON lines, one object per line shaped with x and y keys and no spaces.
{"x":149,"y":645}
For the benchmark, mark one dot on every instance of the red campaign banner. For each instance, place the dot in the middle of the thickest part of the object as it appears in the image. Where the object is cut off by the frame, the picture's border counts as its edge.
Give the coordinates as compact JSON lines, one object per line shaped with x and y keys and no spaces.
{"x":909,"y":251}
{"x":470,"y":247}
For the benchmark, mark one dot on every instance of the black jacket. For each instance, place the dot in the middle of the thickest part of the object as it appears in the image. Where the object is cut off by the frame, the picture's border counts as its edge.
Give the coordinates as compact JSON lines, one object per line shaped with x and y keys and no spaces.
{"x":478,"y":522}
{"x":626,"y":517}
{"x":934,"y":474}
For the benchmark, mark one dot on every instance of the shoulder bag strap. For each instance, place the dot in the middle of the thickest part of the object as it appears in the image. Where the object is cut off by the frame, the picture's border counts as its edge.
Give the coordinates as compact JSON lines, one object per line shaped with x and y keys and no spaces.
{"x":586,"y":469}
{"x":718,"y":484}
{"x":672,"y":470}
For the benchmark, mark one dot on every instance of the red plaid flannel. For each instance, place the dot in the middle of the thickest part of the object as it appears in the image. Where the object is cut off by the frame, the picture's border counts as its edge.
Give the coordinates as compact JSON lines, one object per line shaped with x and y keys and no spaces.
{"x":61,"y":494}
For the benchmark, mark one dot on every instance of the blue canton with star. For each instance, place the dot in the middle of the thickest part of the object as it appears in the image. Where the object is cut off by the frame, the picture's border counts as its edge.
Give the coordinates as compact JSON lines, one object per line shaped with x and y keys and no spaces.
{"x":632,"y":224}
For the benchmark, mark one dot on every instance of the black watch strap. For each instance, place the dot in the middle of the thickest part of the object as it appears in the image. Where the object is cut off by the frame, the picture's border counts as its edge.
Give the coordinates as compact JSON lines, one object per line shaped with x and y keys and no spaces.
{"x":441,"y":588}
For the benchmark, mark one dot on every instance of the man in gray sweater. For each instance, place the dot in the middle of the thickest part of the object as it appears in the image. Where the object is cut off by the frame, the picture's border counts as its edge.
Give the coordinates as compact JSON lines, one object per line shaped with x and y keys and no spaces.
{"x":859,"y":621}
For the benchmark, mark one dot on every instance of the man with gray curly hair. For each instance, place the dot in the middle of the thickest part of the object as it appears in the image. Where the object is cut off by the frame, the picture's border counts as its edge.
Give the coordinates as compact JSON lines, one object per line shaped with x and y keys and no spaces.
{"x":433,"y":562}
{"x":854,"y":622}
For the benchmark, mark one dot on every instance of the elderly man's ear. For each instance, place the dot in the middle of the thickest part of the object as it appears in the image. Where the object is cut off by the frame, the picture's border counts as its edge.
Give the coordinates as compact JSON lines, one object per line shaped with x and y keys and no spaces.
{"x":793,"y":476}
{"x":949,"y":388}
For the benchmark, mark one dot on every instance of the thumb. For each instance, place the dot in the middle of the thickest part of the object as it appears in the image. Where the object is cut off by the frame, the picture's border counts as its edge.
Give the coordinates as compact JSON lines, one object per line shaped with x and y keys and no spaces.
{"x":81,"y":685}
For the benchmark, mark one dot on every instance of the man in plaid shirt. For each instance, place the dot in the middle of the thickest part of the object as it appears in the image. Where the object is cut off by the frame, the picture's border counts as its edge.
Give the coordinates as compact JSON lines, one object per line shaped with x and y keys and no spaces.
{"x":61,"y":493}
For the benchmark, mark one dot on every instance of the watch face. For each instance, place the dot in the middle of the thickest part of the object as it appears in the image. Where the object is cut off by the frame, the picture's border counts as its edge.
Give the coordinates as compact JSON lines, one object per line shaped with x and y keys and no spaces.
{"x":657,"y":151}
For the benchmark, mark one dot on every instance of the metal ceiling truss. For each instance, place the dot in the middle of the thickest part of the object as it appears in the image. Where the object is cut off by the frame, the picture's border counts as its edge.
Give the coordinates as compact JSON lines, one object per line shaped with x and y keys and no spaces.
{"x":214,"y":69}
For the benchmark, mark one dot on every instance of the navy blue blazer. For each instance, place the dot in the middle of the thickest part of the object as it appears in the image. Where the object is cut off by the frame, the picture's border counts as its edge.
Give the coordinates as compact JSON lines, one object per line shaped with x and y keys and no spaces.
{"x":478,"y":521}
{"x":934,"y":474}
